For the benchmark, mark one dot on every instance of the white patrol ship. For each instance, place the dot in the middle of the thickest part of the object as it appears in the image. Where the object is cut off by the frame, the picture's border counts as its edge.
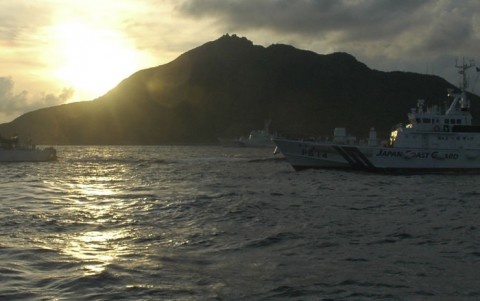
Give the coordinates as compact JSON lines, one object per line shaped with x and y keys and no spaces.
{"x":432,"y":141}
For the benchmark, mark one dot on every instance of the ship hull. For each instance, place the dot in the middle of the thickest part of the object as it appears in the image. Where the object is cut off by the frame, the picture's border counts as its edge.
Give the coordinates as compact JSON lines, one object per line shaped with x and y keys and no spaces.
{"x":27,"y":155}
{"x":311,"y":154}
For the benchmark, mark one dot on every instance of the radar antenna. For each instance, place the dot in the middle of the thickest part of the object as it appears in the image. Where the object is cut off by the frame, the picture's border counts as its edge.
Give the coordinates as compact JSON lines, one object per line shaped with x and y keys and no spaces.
{"x":464,"y":101}
{"x":463,"y":72}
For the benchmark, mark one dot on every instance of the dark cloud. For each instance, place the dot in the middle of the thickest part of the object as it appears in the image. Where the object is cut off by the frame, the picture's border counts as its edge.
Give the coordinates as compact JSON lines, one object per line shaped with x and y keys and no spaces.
{"x":431,"y":25}
{"x":454,"y":29}
{"x":356,"y":19}
{"x":13,"y":103}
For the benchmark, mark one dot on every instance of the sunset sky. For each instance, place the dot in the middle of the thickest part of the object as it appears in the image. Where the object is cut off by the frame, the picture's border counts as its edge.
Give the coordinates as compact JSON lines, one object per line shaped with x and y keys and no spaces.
{"x":58,"y":51}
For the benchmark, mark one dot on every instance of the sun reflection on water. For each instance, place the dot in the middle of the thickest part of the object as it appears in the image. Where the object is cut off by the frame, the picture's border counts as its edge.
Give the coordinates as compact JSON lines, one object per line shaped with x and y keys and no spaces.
{"x":94,"y":186}
{"x":96,"y":249}
{"x":98,"y":208}
{"x":94,"y":190}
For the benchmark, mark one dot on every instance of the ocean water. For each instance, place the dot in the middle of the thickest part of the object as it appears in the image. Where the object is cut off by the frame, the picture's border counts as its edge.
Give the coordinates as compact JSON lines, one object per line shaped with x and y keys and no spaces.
{"x":218,"y":223}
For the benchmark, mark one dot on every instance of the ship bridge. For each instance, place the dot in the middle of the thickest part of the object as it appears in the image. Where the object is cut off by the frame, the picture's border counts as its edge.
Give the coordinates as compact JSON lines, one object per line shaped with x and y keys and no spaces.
{"x":431,"y":119}
{"x":433,"y":127}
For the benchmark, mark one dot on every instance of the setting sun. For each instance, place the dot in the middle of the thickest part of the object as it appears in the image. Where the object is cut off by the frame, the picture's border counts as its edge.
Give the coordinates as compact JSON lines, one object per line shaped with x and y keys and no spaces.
{"x":93,"y":60}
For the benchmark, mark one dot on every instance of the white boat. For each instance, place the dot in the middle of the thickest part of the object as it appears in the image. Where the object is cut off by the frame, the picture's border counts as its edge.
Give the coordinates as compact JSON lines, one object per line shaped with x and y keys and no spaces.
{"x":432,"y":141}
{"x":12,"y":151}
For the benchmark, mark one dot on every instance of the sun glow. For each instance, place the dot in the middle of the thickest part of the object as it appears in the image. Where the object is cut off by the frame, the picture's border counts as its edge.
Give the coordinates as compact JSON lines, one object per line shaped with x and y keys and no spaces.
{"x":93,"y":60}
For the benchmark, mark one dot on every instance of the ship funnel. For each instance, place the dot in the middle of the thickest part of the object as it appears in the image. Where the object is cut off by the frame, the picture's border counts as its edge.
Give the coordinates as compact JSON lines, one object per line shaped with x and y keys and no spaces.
{"x":372,"y":137}
{"x":420,"y":105}
{"x":339,"y":135}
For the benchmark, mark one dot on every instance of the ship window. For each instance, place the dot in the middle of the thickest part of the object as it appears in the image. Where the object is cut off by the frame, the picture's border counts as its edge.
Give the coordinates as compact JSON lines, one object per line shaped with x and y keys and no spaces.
{"x":447,"y":121}
{"x":452,"y":121}
{"x":418,"y":120}
{"x":459,"y":121}
{"x":426,"y":120}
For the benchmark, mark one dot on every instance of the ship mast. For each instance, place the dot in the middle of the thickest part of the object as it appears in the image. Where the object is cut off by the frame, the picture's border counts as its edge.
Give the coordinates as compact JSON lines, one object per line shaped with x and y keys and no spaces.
{"x":464,"y":101}
{"x":461,"y":98}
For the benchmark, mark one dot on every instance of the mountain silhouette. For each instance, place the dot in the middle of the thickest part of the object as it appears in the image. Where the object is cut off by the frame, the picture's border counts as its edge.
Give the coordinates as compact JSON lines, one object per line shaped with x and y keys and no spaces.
{"x":226,"y":88}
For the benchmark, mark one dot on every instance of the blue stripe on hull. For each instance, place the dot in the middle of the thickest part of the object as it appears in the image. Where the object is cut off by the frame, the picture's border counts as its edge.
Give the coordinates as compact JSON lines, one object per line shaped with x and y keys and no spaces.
{"x":354,"y":157}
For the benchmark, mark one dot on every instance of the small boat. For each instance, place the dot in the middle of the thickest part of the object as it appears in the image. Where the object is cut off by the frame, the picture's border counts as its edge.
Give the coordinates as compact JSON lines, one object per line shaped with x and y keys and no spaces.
{"x":432,"y":141}
{"x":13,"y":151}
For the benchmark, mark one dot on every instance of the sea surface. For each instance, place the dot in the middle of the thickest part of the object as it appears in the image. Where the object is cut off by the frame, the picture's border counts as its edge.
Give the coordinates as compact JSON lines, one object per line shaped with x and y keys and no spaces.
{"x":220,"y":223}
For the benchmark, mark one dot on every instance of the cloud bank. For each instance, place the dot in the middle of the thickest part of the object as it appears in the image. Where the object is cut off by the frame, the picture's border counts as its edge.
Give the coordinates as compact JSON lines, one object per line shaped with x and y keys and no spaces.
{"x":14,"y":103}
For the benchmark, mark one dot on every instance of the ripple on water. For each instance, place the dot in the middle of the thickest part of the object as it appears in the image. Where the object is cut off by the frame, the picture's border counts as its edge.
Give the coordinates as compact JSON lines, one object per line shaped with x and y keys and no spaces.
{"x":212,"y":223}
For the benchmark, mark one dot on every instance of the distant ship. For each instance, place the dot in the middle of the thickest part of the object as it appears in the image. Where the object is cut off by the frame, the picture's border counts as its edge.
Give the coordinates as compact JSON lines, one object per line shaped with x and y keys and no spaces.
{"x":259,"y":138}
{"x":432,"y":141}
{"x":256,"y":138}
{"x":13,"y":151}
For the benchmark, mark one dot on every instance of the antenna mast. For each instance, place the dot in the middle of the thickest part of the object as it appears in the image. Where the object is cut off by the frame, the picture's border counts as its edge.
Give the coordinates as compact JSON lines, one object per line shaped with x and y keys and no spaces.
{"x":463,"y":68}
{"x":464,"y":101}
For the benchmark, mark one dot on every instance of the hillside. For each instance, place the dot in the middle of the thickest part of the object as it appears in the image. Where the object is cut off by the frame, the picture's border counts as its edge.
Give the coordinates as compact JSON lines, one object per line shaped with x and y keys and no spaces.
{"x":227,"y":87}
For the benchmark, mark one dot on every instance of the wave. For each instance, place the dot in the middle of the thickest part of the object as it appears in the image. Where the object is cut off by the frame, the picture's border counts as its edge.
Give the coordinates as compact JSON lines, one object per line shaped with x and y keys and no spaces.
{"x":97,"y":159}
{"x":274,"y":239}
